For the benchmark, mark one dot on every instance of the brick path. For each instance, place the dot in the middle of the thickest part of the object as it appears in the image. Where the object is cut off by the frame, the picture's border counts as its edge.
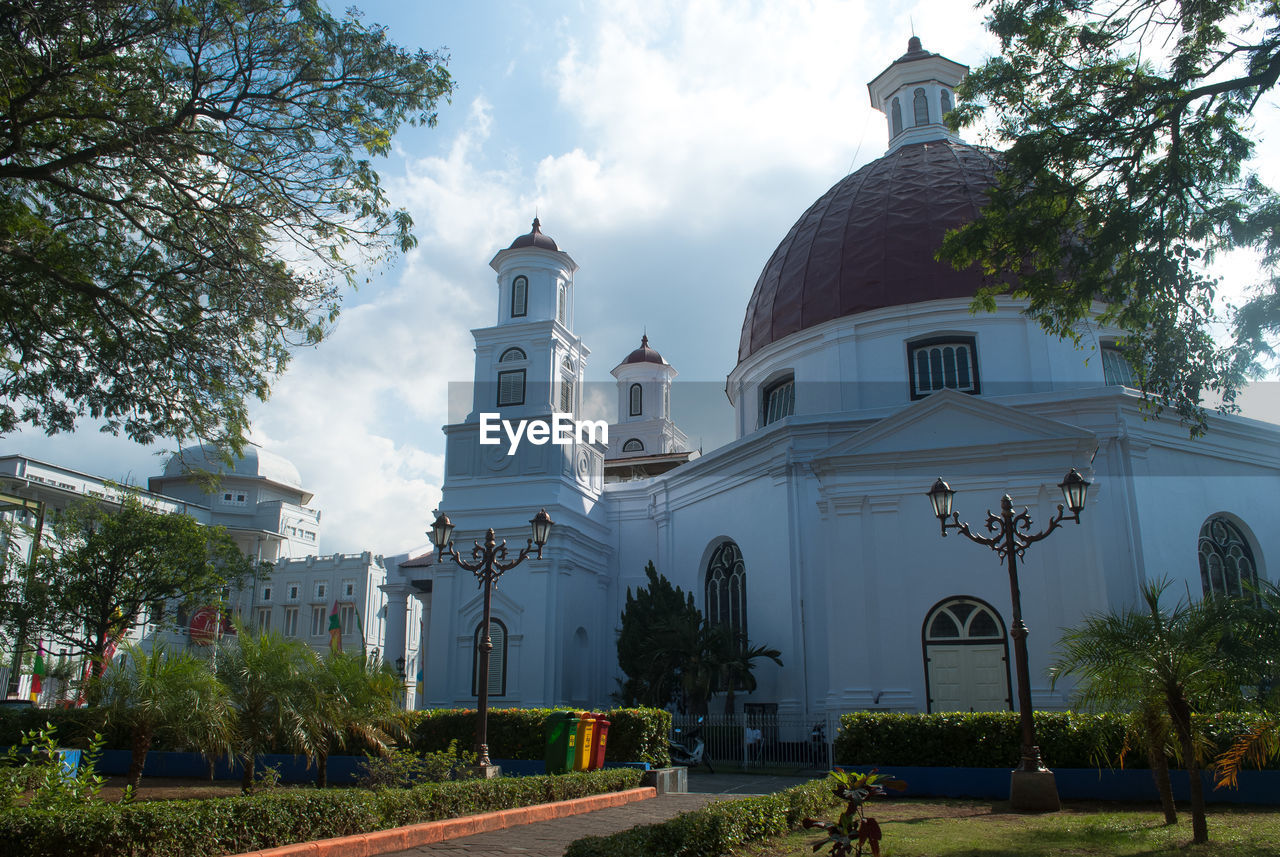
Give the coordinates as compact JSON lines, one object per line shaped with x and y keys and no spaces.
{"x":550,"y":838}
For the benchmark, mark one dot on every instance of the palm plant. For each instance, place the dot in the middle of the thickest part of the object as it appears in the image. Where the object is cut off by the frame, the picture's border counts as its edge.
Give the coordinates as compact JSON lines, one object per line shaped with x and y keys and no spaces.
{"x":737,"y":660}
{"x":1255,"y":646}
{"x":356,"y":701}
{"x":165,"y":693}
{"x":1145,"y":657}
{"x":267,"y":680}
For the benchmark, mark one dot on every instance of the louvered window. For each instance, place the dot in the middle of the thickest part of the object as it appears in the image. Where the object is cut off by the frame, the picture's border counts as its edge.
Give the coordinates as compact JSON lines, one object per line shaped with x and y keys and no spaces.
{"x":497,"y":660}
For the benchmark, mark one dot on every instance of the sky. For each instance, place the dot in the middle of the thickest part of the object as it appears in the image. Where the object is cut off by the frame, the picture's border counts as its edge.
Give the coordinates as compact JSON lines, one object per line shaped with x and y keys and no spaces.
{"x":666,"y":146}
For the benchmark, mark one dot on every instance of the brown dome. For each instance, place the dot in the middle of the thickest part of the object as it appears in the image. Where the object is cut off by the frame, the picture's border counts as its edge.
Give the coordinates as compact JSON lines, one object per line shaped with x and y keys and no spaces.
{"x":644,"y":354}
{"x":869,"y":242}
{"x":535,"y":238}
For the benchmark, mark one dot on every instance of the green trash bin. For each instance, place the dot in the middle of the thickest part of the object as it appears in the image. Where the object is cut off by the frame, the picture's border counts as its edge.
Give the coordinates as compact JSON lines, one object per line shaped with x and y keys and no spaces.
{"x":562,"y":743}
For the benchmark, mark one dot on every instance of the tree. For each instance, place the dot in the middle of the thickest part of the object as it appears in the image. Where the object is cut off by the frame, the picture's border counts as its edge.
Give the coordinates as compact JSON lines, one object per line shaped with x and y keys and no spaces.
{"x":181,"y":185}
{"x":165,"y":693}
{"x":268,"y":688}
{"x":737,"y":660}
{"x":356,"y":701}
{"x":1132,"y":657}
{"x":110,"y":570}
{"x":1255,"y":645}
{"x":650,"y":680}
{"x":1127,"y":132}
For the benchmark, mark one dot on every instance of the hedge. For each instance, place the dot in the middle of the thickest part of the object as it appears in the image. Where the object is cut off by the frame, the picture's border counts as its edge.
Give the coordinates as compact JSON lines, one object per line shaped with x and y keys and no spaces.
{"x":208,"y":828}
{"x":635,"y":734}
{"x":715,"y":829}
{"x":993,"y":740}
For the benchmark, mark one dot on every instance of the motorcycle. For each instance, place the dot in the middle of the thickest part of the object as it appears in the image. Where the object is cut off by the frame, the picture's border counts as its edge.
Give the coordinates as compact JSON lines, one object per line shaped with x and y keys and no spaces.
{"x":692,"y":751}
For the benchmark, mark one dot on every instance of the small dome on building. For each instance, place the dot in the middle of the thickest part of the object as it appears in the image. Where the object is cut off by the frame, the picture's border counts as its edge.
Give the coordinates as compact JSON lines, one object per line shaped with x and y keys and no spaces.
{"x":254,"y":463}
{"x":535,"y":238}
{"x":869,"y":242}
{"x":644,"y":354}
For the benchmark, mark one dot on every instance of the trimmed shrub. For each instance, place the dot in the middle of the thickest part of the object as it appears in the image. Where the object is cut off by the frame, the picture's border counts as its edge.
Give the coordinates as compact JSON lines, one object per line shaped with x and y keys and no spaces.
{"x":715,"y":829}
{"x":635,"y":734}
{"x":993,"y":739}
{"x":208,"y":828}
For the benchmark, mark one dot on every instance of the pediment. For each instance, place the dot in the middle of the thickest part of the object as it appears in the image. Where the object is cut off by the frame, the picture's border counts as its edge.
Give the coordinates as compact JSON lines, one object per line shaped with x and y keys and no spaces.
{"x":948,"y":420}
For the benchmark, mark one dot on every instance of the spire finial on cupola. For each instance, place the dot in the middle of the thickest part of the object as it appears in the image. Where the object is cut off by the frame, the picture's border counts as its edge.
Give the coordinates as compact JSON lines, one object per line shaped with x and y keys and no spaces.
{"x":914,"y":46}
{"x":537,"y":226}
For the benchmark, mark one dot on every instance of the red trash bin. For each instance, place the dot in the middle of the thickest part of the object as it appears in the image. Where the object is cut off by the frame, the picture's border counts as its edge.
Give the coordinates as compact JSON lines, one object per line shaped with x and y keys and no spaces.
{"x":601,"y":737}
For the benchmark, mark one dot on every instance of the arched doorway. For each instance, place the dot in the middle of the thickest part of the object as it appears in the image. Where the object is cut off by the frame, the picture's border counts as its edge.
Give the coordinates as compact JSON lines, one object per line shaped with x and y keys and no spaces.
{"x":966,"y":657}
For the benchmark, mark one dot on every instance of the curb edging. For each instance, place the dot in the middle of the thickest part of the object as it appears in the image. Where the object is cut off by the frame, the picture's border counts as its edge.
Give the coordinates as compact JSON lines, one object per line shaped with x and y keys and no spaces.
{"x":428,"y":832}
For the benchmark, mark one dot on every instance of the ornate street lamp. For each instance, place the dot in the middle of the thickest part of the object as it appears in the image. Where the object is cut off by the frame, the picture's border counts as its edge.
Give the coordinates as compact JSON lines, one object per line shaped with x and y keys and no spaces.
{"x":487,"y":566}
{"x":1032,"y":786}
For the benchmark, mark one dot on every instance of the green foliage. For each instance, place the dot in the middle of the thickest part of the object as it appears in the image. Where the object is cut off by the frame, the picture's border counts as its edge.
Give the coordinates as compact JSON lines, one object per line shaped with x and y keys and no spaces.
{"x":853,"y":830}
{"x":400,"y":769}
{"x":211,"y":828}
{"x":651,"y":680}
{"x":107,"y":569}
{"x":991,"y":739}
{"x":180,"y":243}
{"x":715,"y":829}
{"x":668,"y":650}
{"x":173,"y":695}
{"x":34,"y":765}
{"x":1128,"y":127}
{"x":353,"y":703}
{"x":635,"y":734}
{"x":267,"y":678}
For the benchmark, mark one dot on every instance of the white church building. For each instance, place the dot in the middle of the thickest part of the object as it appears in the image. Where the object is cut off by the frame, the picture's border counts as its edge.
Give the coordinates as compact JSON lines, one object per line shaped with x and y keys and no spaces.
{"x":861,"y":377}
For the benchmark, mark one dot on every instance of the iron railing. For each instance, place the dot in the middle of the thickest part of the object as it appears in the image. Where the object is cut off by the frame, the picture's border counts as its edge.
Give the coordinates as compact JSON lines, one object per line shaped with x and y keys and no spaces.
{"x":757,"y":741}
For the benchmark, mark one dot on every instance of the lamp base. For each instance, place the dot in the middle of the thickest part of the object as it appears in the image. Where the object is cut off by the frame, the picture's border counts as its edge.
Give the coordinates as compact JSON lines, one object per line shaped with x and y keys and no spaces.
{"x":483,"y":772}
{"x":1033,"y":791}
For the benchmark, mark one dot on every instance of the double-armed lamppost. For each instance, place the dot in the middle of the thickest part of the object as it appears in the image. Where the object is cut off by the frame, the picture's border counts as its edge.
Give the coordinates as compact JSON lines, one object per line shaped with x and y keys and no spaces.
{"x":1032,"y":786}
{"x":487,"y":565}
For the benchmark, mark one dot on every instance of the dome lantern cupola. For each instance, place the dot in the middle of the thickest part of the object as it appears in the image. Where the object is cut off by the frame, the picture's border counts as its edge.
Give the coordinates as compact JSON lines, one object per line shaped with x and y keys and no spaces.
{"x":914,"y":93}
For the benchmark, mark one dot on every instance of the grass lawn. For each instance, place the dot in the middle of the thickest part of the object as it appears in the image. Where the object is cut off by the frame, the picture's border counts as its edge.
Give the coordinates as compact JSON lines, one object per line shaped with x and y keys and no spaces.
{"x":950,"y":828}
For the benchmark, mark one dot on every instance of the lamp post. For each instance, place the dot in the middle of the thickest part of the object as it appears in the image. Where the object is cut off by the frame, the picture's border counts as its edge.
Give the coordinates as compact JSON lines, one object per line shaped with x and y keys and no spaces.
{"x":487,"y":565}
{"x":1032,"y":787}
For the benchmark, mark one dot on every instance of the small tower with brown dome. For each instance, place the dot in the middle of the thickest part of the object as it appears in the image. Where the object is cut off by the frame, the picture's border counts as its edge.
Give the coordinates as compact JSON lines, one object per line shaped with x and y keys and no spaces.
{"x":644,"y":429}
{"x":914,"y":93}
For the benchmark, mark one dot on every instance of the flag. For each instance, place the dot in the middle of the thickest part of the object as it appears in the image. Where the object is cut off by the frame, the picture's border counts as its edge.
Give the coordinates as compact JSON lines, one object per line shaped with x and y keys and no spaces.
{"x":335,"y":630}
{"x":37,"y":673}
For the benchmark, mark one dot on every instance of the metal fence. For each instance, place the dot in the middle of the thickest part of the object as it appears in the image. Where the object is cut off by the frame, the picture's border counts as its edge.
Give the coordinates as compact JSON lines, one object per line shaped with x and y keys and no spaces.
{"x":761,"y":739}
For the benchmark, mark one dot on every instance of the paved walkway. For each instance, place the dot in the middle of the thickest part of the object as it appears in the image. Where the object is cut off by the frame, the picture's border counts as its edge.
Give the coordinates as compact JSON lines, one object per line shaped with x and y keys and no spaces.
{"x":551,"y":838}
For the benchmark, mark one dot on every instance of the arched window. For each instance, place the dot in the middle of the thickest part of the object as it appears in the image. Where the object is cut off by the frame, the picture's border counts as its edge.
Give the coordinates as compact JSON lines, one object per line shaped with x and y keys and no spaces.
{"x":778,"y":400}
{"x":726,"y":590}
{"x":966,"y":657}
{"x":945,"y":363}
{"x":946,"y":102}
{"x":1116,"y":370}
{"x":566,"y":386}
{"x":895,"y":116}
{"x":497,"y":660}
{"x":511,"y":355}
{"x":637,"y":400}
{"x":519,"y":297}
{"x":1226,"y":561}
{"x":920,"y":103}
{"x":562,"y":305}
{"x":633,"y":445}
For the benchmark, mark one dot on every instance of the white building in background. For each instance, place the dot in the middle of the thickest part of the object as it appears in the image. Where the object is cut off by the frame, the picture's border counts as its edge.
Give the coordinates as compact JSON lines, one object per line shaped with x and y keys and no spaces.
{"x":861,"y":376}
{"x":261,"y":502}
